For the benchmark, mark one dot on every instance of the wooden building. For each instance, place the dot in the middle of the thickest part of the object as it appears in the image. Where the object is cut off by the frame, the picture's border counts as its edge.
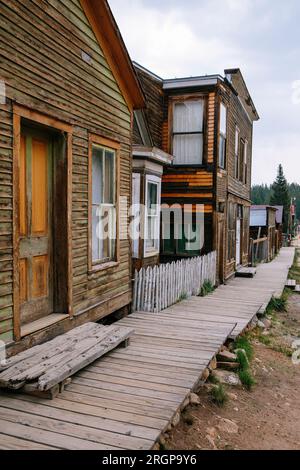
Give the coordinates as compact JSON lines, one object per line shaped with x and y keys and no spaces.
{"x":206,"y":123}
{"x":65,"y":161}
{"x":263,"y":225}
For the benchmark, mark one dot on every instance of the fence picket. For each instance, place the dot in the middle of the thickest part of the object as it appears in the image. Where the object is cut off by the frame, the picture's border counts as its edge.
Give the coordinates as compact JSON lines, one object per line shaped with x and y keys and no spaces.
{"x":156,"y":288}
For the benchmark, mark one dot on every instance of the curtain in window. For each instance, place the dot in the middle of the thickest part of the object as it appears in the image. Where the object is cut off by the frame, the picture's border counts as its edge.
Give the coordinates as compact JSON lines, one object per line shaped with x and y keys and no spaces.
{"x":187,"y":129}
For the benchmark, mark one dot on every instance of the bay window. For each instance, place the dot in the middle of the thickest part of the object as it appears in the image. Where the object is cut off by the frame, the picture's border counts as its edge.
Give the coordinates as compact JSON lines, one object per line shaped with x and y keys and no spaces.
{"x":103,"y":197}
{"x":188,"y":132}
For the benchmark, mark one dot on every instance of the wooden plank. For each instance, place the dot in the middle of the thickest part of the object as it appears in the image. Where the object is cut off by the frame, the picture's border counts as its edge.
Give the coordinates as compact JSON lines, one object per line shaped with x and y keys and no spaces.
{"x":13,"y":443}
{"x":108,"y":428}
{"x":55,"y":437}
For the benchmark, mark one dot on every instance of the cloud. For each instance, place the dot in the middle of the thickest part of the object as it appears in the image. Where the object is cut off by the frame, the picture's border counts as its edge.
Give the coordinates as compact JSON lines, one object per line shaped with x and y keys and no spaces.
{"x":194,"y":37}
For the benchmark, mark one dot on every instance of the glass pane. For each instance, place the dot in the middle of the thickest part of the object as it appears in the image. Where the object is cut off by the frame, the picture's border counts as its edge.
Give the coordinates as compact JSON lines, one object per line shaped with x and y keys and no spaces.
{"x":152,"y":198}
{"x":223,"y":119}
{"x":97,"y":175}
{"x":95,"y":239}
{"x":222,"y":149}
{"x":188,"y":116}
{"x":109,"y":180}
{"x":151,"y":241}
{"x":108,"y":232}
{"x":188,"y":149}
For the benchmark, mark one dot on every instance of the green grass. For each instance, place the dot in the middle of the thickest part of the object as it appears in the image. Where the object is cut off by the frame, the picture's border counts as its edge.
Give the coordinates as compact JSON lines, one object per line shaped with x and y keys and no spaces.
{"x":243,"y":342}
{"x":278,"y":304}
{"x":183,"y":297}
{"x":242,"y":360}
{"x":219,"y":395}
{"x":266,"y":340}
{"x":206,"y":289}
{"x":247,"y":379}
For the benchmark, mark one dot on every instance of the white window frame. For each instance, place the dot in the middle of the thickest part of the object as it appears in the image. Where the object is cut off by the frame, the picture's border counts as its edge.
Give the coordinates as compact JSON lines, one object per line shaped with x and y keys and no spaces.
{"x":136,"y":206}
{"x":107,"y":206}
{"x":223,"y":136}
{"x":148,"y":252}
{"x":236,"y":152}
{"x":245,"y":162}
{"x":200,"y":133}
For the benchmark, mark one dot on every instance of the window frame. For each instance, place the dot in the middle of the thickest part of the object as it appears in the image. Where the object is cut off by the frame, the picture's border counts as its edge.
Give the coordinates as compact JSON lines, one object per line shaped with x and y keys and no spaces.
{"x":245,"y":170}
{"x":237,"y":152}
{"x":223,"y":137}
{"x":111,"y":145}
{"x":151,"y":179}
{"x":182,"y":99}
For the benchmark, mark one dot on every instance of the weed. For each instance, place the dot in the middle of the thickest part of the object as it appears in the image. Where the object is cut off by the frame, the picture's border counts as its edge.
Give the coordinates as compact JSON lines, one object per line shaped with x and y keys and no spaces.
{"x":247,"y":379}
{"x":277,"y":304}
{"x":219,"y":395}
{"x":266,"y":340}
{"x":243,"y":342}
{"x":213,"y":380}
{"x":206,"y":289}
{"x":183,"y":296}
{"x":242,"y":359}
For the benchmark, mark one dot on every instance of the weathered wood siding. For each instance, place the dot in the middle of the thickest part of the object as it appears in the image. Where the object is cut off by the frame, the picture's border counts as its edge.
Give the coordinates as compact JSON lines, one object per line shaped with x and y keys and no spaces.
{"x":6,"y":223}
{"x":193,"y":185}
{"x":41,"y":48}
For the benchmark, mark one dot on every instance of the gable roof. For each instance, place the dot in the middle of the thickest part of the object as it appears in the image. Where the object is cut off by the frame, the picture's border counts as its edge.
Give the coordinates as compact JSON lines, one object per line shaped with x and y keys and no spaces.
{"x":109,"y":37}
{"x":236,"y":79}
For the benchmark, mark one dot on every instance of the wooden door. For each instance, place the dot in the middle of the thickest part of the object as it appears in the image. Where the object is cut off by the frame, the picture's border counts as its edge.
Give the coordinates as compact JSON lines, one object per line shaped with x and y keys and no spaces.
{"x":238,"y":242}
{"x":35,"y":253}
{"x":221,"y":246}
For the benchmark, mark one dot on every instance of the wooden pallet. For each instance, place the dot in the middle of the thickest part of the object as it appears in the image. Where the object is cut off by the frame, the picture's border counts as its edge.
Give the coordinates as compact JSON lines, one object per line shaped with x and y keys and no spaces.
{"x":45,"y":369}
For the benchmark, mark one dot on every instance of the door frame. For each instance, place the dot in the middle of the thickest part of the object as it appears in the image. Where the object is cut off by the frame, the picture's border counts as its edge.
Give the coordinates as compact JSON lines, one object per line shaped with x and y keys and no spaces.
{"x":20,"y":112}
{"x":238,"y":222}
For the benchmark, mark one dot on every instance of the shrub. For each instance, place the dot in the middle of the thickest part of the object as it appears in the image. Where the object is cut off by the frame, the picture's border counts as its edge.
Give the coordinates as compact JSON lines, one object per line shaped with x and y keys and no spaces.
{"x":246,"y":379}
{"x":206,"y":289}
{"x":219,"y":395}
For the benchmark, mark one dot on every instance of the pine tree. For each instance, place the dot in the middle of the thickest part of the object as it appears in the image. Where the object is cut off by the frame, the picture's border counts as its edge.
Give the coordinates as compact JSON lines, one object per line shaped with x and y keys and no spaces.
{"x":281,"y":197}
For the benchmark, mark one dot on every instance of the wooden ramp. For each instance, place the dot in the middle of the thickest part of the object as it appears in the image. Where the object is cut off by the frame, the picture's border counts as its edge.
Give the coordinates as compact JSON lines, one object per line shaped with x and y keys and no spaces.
{"x":126,"y":399}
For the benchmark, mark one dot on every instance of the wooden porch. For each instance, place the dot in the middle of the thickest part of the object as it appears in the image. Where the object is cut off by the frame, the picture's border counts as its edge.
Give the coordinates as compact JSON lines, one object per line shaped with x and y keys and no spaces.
{"x":128,"y":398}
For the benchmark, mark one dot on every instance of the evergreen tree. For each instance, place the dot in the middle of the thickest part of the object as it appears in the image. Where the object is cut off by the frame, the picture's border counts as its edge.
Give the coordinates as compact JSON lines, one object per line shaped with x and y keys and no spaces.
{"x":281,"y":196}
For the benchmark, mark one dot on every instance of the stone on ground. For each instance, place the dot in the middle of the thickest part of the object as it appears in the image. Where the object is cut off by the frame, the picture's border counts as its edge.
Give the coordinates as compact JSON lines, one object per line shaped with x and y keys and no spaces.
{"x":228,"y":426}
{"x":226,"y":356}
{"x":226,"y":377}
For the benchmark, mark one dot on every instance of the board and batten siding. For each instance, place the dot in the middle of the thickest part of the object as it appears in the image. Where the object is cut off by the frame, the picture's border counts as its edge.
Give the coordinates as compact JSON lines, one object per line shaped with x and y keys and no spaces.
{"x":42,"y":46}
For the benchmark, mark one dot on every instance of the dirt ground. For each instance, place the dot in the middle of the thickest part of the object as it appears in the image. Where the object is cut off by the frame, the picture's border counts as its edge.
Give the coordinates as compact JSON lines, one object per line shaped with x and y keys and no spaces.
{"x":268,"y":417}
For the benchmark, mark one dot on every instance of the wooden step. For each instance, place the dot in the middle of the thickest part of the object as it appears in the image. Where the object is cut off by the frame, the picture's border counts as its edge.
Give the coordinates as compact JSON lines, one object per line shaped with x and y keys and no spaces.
{"x":245,"y":272}
{"x":42,"y":368}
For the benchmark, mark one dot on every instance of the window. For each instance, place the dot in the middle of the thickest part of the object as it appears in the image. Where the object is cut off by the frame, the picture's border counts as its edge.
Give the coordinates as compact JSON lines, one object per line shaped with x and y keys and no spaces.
{"x":103,"y":204}
{"x":185,"y":239}
{"x":231,"y":228}
{"x":245,"y":162}
{"x":236,"y":152}
{"x":222,"y":136}
{"x":188,"y":132}
{"x":241,"y":161}
{"x":152,"y":224}
{"x":136,"y":201}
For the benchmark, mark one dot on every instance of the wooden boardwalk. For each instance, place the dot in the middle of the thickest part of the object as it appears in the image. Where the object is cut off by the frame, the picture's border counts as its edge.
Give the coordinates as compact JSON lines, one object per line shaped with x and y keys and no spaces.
{"x":126,"y":399}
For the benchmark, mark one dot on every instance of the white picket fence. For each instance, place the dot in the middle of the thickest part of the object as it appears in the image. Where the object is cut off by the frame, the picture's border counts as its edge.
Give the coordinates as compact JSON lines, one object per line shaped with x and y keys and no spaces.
{"x":158,"y":287}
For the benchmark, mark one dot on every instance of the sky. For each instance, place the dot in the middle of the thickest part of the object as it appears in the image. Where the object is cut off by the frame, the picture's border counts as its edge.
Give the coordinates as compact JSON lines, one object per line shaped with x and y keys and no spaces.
{"x":181,"y":38}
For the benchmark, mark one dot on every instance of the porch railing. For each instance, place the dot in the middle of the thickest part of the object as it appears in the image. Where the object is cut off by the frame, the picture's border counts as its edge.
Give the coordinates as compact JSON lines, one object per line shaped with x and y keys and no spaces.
{"x":158,"y":287}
